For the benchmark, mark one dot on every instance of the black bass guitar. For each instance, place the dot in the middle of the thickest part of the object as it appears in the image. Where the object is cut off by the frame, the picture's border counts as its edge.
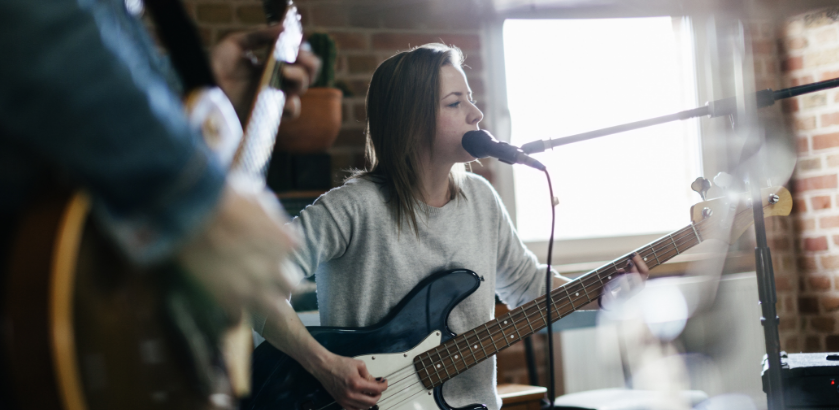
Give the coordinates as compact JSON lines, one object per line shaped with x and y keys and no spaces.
{"x":416,"y":352}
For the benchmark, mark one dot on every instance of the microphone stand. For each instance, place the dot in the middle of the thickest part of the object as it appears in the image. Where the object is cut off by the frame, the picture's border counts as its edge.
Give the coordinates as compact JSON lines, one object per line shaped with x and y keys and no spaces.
{"x":725,"y":106}
{"x":763,"y":258}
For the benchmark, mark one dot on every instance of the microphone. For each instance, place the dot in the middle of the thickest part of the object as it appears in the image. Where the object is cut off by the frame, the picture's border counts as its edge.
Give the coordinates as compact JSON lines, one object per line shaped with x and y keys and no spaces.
{"x":481,"y":144}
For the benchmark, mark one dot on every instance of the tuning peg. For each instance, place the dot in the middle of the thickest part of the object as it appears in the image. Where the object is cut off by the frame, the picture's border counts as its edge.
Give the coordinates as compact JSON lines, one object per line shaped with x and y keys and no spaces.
{"x":723,"y":180}
{"x":701,"y":186}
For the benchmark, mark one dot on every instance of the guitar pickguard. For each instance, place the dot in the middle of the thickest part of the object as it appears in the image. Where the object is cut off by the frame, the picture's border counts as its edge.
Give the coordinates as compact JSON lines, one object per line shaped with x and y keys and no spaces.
{"x":405,"y":390}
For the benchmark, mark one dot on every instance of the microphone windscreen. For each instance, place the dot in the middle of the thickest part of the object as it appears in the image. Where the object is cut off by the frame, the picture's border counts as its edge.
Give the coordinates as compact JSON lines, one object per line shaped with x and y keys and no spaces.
{"x":476,"y":143}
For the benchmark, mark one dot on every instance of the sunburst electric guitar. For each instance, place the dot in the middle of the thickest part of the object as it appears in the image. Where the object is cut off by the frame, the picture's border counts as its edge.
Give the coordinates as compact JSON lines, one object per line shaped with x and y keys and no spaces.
{"x":416,"y":352}
{"x":87,"y":329}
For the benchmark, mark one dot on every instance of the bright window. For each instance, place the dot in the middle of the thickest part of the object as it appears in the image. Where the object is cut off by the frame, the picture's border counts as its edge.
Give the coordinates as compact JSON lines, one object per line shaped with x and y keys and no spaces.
{"x":565,"y":77}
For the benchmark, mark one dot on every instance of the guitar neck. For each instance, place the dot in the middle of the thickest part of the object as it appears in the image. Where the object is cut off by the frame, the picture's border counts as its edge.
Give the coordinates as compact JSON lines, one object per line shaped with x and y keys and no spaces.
{"x":474,"y":346}
{"x":260,"y":130}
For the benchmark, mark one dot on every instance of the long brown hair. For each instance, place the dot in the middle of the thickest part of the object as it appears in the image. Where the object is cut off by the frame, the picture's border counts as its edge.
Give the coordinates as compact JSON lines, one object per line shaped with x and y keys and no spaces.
{"x":402,"y":105}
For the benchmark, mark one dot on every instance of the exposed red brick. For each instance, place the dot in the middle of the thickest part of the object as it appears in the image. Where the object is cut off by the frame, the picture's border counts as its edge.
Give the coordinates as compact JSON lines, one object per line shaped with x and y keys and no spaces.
{"x":829,"y":222}
{"x":350,"y":41}
{"x":802,"y":225}
{"x":791,"y":344}
{"x":328,"y":16}
{"x":805,"y":124}
{"x":214,"y":13}
{"x":812,"y":344}
{"x":359,"y":87}
{"x":819,"y":182}
{"x":818,"y":282}
{"x":825,"y":141}
{"x":831,"y":343}
{"x":807,"y":79}
{"x":779,"y":244}
{"x":830,"y":303}
{"x":789,"y":105}
{"x":795,"y":43}
{"x":823,"y":324}
{"x":399,"y":41}
{"x":364,"y":17}
{"x":799,"y":206}
{"x":350,"y":137}
{"x":809,"y":164}
{"x":792,"y":63}
{"x":829,"y":75}
{"x":362,"y":64}
{"x":826,"y":36}
{"x":763,"y":47}
{"x":782,"y":283}
{"x":787,"y":323}
{"x":820,"y":202}
{"x":829,"y":119}
{"x":359,"y":113}
{"x":808,"y":263}
{"x":815,"y":244}
{"x":346,"y":116}
{"x":803,"y":144}
{"x":251,"y":14}
{"x":829,"y":261}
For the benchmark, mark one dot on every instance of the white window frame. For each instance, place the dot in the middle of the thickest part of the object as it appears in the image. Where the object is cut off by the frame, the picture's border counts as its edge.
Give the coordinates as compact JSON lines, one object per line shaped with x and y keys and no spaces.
{"x":585,"y":254}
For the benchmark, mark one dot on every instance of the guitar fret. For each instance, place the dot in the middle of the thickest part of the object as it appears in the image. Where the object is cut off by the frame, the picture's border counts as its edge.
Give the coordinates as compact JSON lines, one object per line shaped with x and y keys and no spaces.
{"x":515,"y":327}
{"x":541,"y":314}
{"x":424,"y":367}
{"x":491,"y":339}
{"x":530,"y":325}
{"x":569,"y":298}
{"x":480,"y":343}
{"x":585,"y":290}
{"x":449,"y":353}
{"x":674,"y":243}
{"x":503,"y":335}
{"x":652,"y":248}
{"x":698,"y":238}
{"x":460,"y":352}
{"x":441,"y":364}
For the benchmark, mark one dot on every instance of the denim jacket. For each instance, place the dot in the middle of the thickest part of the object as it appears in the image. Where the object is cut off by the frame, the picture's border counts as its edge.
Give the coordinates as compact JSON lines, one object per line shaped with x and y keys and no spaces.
{"x":87,"y":100}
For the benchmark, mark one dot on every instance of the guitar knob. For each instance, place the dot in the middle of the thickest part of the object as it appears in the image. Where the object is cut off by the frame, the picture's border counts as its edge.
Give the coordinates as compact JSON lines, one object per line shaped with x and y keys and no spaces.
{"x":701,"y":186}
{"x":723,"y":180}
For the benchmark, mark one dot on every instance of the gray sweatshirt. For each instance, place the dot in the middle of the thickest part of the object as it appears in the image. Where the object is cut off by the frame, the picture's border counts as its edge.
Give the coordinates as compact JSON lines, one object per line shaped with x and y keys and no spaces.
{"x":364,"y":266}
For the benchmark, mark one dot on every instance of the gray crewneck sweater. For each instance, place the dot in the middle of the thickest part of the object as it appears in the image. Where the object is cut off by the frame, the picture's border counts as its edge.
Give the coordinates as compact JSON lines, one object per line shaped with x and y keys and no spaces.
{"x":365,"y":267}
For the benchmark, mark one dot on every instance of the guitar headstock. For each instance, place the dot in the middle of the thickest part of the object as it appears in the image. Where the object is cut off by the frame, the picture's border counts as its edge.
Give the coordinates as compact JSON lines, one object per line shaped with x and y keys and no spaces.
{"x":728,"y":217}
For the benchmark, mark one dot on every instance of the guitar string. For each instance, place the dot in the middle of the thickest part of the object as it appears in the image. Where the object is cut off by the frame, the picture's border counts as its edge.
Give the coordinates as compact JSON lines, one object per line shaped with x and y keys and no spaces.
{"x":685,"y":236}
{"x":682,"y":237}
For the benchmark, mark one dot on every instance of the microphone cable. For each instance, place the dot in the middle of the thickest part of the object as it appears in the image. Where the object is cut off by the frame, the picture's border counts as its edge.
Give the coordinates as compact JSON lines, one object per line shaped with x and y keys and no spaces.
{"x":548,"y":288}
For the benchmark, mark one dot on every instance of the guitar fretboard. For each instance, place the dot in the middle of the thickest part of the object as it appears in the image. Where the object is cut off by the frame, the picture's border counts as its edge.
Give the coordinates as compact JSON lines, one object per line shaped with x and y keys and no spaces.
{"x":474,"y":346}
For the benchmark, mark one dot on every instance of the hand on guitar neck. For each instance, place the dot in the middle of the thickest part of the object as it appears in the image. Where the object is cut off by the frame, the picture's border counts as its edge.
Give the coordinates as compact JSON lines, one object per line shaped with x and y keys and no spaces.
{"x":237,"y":70}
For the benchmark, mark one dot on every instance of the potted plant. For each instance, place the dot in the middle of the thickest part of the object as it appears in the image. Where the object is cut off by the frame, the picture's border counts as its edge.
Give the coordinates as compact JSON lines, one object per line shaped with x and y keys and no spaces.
{"x":319,"y":122}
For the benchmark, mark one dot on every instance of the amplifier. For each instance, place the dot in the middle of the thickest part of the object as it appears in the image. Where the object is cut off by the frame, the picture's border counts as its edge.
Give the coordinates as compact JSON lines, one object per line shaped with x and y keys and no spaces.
{"x":810,"y":380}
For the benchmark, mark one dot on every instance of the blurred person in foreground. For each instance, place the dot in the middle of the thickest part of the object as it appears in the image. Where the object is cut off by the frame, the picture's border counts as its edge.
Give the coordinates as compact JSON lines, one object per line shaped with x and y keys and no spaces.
{"x":87,"y":102}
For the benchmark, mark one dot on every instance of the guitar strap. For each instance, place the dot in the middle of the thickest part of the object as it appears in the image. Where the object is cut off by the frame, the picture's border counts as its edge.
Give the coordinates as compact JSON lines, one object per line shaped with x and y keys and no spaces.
{"x":179,"y":35}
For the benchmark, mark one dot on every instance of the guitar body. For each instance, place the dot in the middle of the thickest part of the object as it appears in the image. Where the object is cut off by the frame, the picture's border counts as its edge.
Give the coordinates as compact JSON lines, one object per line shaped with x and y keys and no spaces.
{"x":415,"y":325}
{"x":90,"y":330}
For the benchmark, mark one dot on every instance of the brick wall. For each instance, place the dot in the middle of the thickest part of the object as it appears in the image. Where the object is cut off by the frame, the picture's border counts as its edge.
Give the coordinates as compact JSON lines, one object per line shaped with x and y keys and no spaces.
{"x":810,"y":46}
{"x":366,"y":33}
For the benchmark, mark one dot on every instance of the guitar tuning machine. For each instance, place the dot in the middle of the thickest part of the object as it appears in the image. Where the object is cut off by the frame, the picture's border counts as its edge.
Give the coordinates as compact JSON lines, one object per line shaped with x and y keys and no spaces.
{"x":701,"y":186}
{"x":723,"y":180}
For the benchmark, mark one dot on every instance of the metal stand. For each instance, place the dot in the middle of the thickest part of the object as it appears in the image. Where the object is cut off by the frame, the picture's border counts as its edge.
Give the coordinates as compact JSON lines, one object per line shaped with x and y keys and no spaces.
{"x":766,"y":290}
